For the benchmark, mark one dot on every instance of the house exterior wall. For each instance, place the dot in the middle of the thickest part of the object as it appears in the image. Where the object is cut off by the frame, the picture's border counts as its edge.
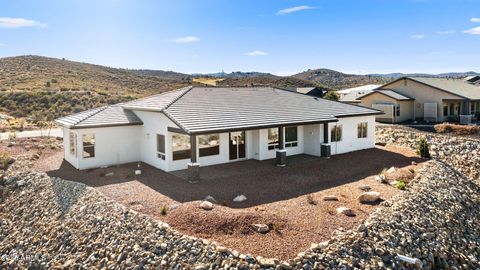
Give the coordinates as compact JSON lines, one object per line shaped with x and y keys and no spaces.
{"x":113,"y":146}
{"x":350,"y":141}
{"x":423,"y":94}
{"x":406,"y":106}
{"x":117,"y":145}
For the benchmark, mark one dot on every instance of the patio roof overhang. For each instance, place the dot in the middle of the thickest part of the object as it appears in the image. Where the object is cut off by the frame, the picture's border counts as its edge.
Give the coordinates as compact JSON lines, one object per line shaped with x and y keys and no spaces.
{"x":247,"y":127}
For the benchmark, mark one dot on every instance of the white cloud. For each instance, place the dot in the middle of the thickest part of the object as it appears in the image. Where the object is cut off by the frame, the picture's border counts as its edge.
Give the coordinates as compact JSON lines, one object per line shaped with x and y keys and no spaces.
{"x":473,"y":31}
{"x":417,"y":36}
{"x":448,"y":32}
{"x":475,"y":20}
{"x":6,"y":22}
{"x":256,"y":53}
{"x":294,"y":9}
{"x":188,"y":39}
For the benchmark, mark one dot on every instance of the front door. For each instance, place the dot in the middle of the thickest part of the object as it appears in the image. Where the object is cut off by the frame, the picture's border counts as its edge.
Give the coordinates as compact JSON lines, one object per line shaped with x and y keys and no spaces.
{"x":237,"y":145}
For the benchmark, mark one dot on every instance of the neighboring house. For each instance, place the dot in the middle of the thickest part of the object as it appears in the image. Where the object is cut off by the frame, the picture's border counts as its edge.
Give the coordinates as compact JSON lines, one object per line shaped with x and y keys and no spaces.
{"x":429,"y":99}
{"x":363,"y":88}
{"x":353,"y":96}
{"x":311,"y":91}
{"x":206,"y":125}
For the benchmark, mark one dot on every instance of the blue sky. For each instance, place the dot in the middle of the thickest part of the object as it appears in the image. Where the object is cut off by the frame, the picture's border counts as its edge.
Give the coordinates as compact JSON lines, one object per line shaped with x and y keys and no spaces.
{"x":282,"y":37}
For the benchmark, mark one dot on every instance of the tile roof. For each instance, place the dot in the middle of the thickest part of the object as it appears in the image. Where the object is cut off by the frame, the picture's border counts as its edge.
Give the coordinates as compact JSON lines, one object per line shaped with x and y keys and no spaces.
{"x":355,"y":95}
{"x":113,"y":115}
{"x":205,"y":109}
{"x":457,"y":87}
{"x":156,"y":102}
{"x":210,"y":109}
{"x":388,"y":93}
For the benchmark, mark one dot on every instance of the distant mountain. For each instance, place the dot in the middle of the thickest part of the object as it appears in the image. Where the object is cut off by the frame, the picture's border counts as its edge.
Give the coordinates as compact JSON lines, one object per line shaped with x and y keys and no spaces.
{"x":441,"y":75}
{"x":235,"y":74}
{"x":338,"y":80}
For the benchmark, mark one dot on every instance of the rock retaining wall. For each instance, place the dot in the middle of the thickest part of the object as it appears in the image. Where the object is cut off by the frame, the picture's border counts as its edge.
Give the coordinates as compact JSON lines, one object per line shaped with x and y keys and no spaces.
{"x":53,"y":223}
{"x":461,"y":152}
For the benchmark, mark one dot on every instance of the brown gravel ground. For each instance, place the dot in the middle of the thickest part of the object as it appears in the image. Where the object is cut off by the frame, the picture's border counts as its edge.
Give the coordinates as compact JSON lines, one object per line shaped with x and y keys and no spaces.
{"x":276,"y":196}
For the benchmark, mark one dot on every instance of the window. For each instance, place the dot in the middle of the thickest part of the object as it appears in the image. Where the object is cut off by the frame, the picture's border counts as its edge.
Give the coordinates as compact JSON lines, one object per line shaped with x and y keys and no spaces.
{"x":88,"y":141}
{"x":73,"y":144}
{"x":362,"y":130}
{"x":180,"y":146}
{"x":209,"y":145}
{"x":452,"y":109}
{"x":445,"y":109}
{"x":272,"y":138}
{"x":161,"y":146}
{"x":397,"y":110}
{"x":291,"y":136}
{"x":336,"y":133}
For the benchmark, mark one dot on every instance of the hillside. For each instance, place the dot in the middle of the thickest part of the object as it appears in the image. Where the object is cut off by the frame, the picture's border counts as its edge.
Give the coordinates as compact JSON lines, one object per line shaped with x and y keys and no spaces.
{"x":338,"y":80}
{"x":42,"y":87}
{"x":282,"y":82}
{"x":37,"y":73}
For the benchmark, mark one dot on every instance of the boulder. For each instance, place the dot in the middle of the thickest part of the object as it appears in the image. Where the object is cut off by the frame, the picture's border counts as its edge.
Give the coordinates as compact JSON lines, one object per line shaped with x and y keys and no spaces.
{"x":211,"y":199}
{"x":109,"y":174}
{"x":391,"y":170}
{"x":205,"y":205}
{"x":240,"y":198}
{"x":346,"y":211}
{"x":330,"y":198}
{"x":369,"y":197}
{"x":261,"y":228}
{"x":381,"y":178}
{"x":365,"y":187}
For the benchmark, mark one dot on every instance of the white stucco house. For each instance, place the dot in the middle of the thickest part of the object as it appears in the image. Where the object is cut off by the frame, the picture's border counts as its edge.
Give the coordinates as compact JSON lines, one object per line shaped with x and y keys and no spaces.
{"x":201,"y":126}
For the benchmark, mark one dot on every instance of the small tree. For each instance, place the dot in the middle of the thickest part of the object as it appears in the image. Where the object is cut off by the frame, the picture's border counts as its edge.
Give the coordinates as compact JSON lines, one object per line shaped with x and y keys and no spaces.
{"x":331,"y":95}
{"x":422,"y":148}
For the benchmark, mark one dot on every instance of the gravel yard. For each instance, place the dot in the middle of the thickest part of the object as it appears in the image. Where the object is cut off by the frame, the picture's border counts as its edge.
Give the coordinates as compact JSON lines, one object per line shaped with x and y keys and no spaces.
{"x":277,"y":197}
{"x":47,"y":222}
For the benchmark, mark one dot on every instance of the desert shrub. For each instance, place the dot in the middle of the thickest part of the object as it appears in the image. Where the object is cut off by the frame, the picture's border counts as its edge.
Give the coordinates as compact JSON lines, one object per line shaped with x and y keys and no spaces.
{"x":163,"y":210}
{"x":331,"y":95}
{"x":48,"y":84}
{"x":4,"y":161}
{"x":311,"y":200}
{"x":401,"y":185}
{"x":12,"y":136}
{"x":457,"y":129}
{"x":422,"y":148}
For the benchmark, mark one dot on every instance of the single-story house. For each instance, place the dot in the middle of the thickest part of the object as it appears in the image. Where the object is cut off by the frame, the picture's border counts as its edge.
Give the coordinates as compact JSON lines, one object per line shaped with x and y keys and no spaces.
{"x":195,"y":126}
{"x":425,"y":98}
{"x":359,"y":89}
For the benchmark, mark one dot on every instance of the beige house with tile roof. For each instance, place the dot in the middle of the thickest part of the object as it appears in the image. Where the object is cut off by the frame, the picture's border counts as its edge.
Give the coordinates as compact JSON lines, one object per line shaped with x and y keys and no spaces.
{"x":431,"y":99}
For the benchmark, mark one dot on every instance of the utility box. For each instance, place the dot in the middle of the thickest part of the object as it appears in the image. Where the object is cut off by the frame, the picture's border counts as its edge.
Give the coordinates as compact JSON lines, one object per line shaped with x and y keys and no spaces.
{"x":325,"y":150}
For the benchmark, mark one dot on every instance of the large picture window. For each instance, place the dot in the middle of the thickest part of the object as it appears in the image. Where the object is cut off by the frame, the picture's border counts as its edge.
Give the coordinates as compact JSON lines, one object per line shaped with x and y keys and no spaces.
{"x":291,"y":136}
{"x":88,"y":142}
{"x":272,"y":138}
{"x":73,"y":144}
{"x":208,"y":145}
{"x":161,"y":146}
{"x":397,"y":110}
{"x":362,"y":130}
{"x":180,"y":146}
{"x":336,"y":133}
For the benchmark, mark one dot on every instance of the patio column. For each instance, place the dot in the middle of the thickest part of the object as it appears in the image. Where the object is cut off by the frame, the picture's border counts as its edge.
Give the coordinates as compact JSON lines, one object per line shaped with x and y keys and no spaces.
{"x":325,"y":148}
{"x":193,"y":165}
{"x":281,"y":153}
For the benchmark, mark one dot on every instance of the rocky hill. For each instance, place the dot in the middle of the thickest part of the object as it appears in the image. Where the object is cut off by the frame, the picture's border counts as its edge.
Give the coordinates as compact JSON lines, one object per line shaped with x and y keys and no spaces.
{"x":338,"y":80}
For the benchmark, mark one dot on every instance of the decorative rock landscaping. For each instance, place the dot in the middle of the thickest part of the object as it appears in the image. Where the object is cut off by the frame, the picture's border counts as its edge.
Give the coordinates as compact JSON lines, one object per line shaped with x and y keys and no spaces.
{"x":52,"y":223}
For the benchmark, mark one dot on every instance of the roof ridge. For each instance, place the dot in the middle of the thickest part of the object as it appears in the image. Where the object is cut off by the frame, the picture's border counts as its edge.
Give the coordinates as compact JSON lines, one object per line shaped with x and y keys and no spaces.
{"x":190,"y":87}
{"x":151,"y":96}
{"x":95,"y":111}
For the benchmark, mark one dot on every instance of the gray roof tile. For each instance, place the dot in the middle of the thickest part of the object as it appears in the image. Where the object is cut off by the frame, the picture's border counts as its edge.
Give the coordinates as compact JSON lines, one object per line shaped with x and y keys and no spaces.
{"x":455,"y":86}
{"x":113,"y":115}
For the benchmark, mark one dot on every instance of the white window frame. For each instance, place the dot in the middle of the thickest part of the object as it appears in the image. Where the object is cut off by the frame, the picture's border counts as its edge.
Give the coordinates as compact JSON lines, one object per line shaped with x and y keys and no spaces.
{"x":291,"y":143}
{"x":161,"y":155}
{"x":362,"y":130}
{"x":334,"y":138}
{"x":73,"y":143}
{"x":273,"y":146}
{"x":92,"y":146}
